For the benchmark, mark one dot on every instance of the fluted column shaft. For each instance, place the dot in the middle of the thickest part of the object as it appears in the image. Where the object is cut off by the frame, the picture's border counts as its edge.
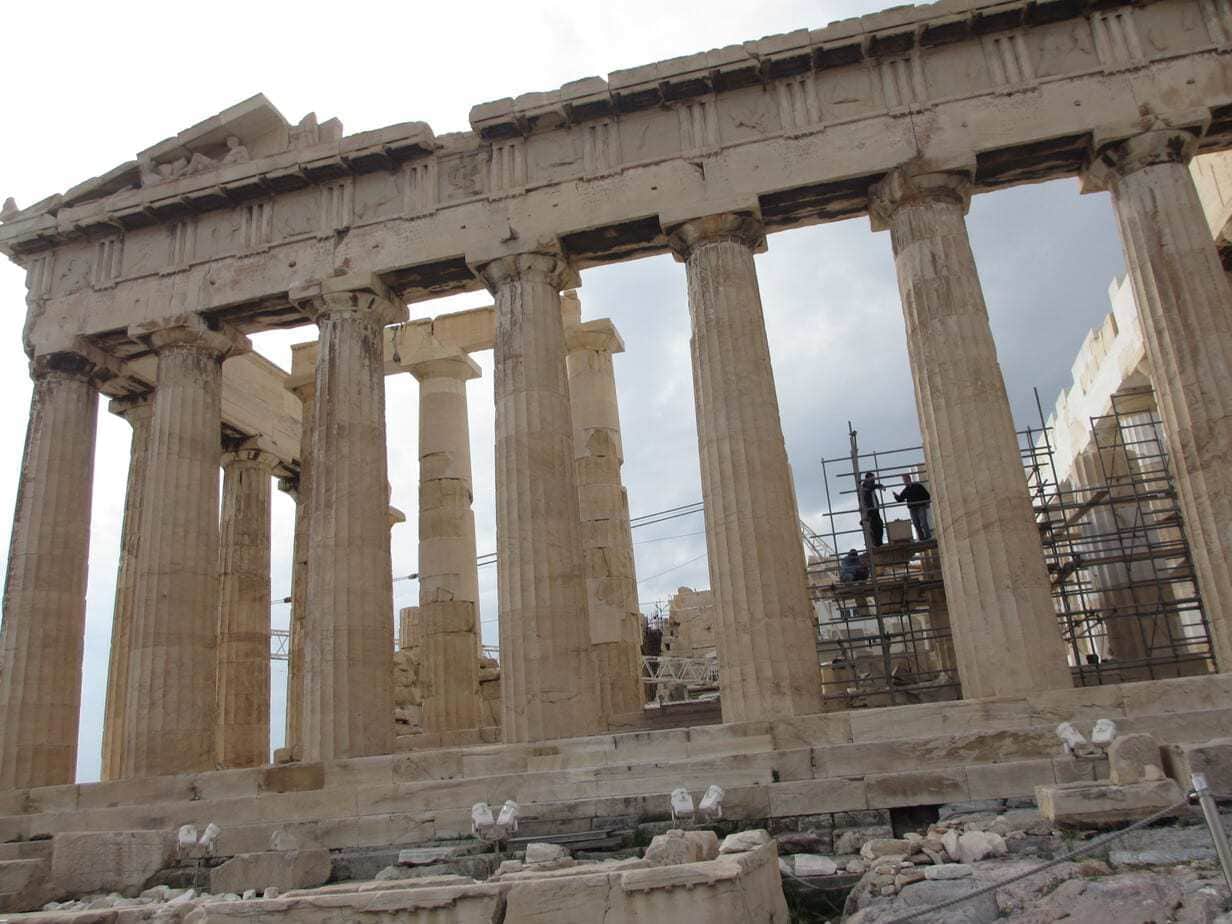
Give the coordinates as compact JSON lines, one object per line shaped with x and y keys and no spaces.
{"x":548,"y":686}
{"x":173,"y":642}
{"x":348,"y":627}
{"x":448,"y":576}
{"x":299,"y":572}
{"x":1005,"y":630}
{"x":767,"y":626}
{"x":1185,"y":305}
{"x":139,"y":412}
{"x":244,"y":610}
{"x":42,"y":635}
{"x":611,"y":581}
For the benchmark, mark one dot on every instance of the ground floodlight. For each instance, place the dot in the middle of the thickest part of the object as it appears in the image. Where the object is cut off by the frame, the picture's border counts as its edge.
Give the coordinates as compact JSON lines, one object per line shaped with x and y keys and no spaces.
{"x":509,"y":816}
{"x":481,"y":818}
{"x":711,"y":805}
{"x":209,"y":835}
{"x":682,"y":804}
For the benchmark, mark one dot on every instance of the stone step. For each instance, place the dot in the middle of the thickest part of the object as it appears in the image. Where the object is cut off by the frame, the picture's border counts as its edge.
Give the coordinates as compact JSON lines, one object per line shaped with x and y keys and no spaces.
{"x":22,"y":884}
{"x":26,"y":850}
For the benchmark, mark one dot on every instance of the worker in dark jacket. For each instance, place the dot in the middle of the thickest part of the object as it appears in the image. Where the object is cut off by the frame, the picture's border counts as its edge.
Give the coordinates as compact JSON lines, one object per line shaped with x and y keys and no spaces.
{"x":870,"y":510}
{"x":918,"y":500}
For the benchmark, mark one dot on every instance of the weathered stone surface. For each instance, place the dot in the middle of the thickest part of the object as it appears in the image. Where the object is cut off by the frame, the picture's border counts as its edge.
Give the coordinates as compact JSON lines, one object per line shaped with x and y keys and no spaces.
{"x":545,"y":853}
{"x":298,"y":869}
{"x":1100,"y":804}
{"x":44,"y":597}
{"x":808,"y":864}
{"x":682,"y":847}
{"x":757,"y":570}
{"x":1211,"y":758}
{"x":997,"y":589}
{"x":743,"y":841}
{"x":108,"y":861}
{"x":1130,"y":755}
{"x":886,"y":847}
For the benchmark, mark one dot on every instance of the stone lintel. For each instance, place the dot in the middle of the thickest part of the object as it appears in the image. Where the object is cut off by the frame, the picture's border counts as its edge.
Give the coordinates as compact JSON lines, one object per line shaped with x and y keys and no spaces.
{"x":913,"y":183}
{"x":350,"y":292}
{"x":599,"y":336}
{"x":130,"y":406}
{"x":743,"y":225}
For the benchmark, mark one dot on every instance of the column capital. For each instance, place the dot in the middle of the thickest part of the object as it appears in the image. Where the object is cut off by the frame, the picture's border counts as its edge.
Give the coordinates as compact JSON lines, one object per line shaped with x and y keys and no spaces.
{"x":133,"y":408}
{"x":598,"y":336}
{"x":459,"y":366}
{"x":1122,"y":157}
{"x":190,"y":331}
{"x":354,"y":294}
{"x":905,"y":185}
{"x":741,"y":227}
{"x":251,"y":456}
{"x":81,"y":360}
{"x":289,"y":485}
{"x":553,"y":267}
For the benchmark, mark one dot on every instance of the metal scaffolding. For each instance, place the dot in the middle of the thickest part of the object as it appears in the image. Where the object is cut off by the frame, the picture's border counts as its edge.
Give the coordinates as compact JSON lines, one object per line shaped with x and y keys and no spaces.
{"x":1122,"y":582}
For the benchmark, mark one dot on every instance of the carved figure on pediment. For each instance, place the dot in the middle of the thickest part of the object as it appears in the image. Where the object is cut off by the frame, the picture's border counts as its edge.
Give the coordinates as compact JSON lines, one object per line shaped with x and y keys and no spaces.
{"x":9,"y":210}
{"x":305,"y":133}
{"x":236,"y":152}
{"x":149,"y":172}
{"x":200,"y":163}
{"x":175,"y":169}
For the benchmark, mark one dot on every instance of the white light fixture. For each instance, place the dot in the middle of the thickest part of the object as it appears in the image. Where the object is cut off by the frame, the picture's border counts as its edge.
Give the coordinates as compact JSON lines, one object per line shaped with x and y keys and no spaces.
{"x":711,"y":806}
{"x":682,"y":804}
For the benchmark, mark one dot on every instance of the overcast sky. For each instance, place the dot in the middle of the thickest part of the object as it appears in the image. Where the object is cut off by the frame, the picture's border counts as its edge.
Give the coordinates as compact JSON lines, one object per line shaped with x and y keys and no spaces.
{"x":110,"y":79}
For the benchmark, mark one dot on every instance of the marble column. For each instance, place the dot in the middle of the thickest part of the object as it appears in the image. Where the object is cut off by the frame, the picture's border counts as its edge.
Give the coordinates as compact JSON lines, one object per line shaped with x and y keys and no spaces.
{"x":42,"y":634}
{"x":1183,"y":297}
{"x":766,"y":623}
{"x":548,"y":684}
{"x":1005,"y":632}
{"x":348,"y":625}
{"x":243,"y":708}
{"x":303,"y":384}
{"x":448,"y":575}
{"x":607,"y":541}
{"x":173,"y":636}
{"x":138,"y":411}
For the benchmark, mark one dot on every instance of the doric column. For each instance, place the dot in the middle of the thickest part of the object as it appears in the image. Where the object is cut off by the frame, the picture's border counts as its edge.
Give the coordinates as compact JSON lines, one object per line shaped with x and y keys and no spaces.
{"x":303,"y":384}
{"x":42,"y":635}
{"x":767,"y":626}
{"x":1005,"y":630}
{"x":448,"y":576}
{"x":244,"y":609}
{"x":348,"y":625}
{"x":548,"y":685}
{"x":139,"y":412}
{"x":611,"y":582}
{"x":173,"y":637}
{"x":1184,"y":300}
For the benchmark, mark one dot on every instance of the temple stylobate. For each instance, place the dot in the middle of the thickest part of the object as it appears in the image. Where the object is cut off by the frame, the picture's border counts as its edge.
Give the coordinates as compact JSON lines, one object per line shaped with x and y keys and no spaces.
{"x":146,"y":282}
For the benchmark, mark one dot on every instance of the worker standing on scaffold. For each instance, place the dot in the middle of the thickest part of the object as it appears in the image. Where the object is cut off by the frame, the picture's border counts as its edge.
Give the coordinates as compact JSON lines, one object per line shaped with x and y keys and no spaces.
{"x":868,"y":506}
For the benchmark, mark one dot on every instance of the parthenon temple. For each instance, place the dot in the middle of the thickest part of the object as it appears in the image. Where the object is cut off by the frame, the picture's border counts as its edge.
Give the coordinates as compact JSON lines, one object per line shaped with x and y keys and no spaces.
{"x":146,"y":283}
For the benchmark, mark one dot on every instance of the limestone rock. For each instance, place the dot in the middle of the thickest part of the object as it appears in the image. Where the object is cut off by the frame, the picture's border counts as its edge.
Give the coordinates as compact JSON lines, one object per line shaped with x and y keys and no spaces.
{"x":109,"y":861}
{"x":852,"y":839}
{"x":974,"y":846}
{"x":1100,"y":804}
{"x":1130,"y":755}
{"x":1211,"y":758}
{"x":886,"y":847}
{"x":682,"y":847}
{"x":948,"y":871}
{"x":542,"y":853}
{"x":810,"y":864}
{"x":744,"y":841}
{"x":800,"y":842}
{"x":297,"y":869}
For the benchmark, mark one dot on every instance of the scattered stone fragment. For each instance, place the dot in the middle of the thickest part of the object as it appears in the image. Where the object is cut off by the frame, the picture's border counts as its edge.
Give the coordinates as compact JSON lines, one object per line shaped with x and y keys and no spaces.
{"x":811,"y":864}
{"x":886,"y":847}
{"x":744,"y":841}
{"x":948,"y":871}
{"x":1130,"y":755}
